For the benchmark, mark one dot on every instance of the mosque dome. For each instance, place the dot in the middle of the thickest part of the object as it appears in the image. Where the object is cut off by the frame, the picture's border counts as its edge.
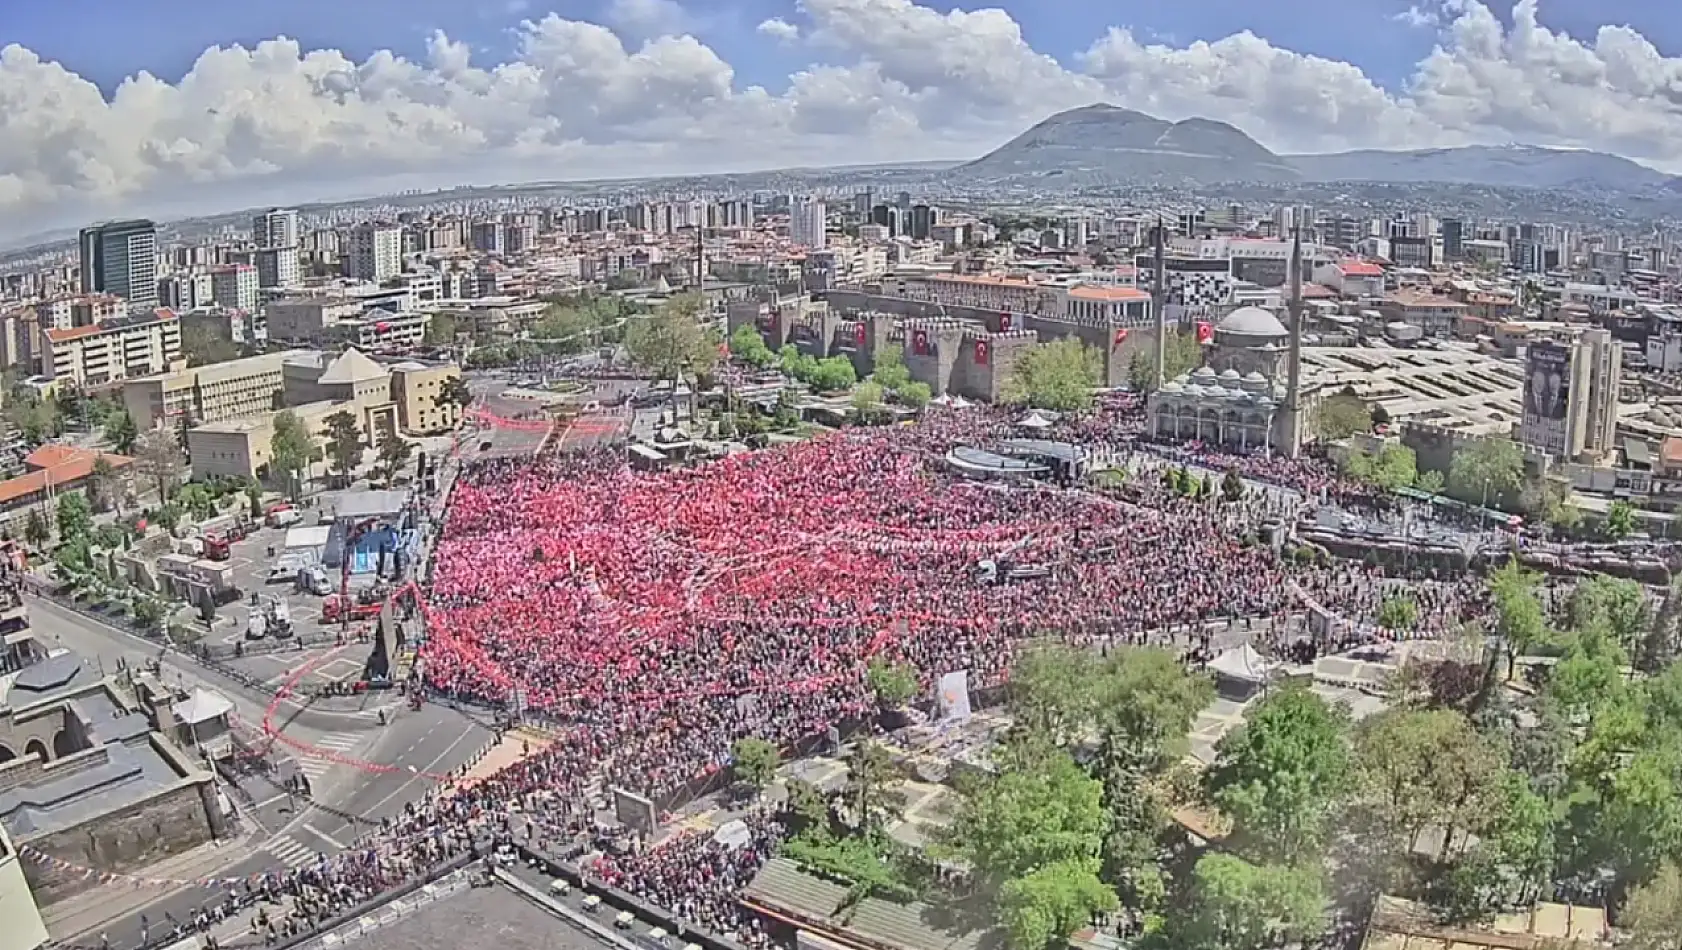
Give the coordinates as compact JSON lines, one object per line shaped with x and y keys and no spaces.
{"x":1251,"y":325}
{"x":1230,"y":379}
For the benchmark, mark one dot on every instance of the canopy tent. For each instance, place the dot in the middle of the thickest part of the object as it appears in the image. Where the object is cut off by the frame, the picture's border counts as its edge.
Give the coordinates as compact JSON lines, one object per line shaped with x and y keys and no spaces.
{"x":1034,"y":420}
{"x":1245,"y":664}
{"x":203,"y":706}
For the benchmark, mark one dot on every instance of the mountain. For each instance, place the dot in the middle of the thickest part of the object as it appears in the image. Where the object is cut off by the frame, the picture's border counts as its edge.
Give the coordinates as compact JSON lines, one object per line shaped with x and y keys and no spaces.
{"x":1498,"y":165}
{"x":1105,"y":142}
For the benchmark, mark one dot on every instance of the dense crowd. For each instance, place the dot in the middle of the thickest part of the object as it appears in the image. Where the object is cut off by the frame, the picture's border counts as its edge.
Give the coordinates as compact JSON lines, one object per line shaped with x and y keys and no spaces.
{"x":658,"y":617}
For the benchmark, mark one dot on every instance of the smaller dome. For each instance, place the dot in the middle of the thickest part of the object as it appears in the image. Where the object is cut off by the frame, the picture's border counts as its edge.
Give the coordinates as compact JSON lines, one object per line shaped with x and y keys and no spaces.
{"x":1254,"y":377}
{"x":1183,"y":378}
{"x":1230,"y":374}
{"x":1204,"y":372}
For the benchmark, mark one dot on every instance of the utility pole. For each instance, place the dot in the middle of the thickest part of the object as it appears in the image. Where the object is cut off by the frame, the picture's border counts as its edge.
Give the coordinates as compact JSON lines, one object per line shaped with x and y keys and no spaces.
{"x":1293,"y":385}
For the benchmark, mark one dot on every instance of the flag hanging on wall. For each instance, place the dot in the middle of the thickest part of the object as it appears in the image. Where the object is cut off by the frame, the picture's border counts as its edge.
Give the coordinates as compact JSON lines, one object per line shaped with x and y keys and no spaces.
{"x":981,"y":352}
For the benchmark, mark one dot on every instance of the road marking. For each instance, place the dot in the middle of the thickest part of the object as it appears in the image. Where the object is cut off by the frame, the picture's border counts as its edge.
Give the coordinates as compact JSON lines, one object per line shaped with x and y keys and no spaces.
{"x":373,"y":812}
{"x":290,"y":852}
{"x":324,"y":836}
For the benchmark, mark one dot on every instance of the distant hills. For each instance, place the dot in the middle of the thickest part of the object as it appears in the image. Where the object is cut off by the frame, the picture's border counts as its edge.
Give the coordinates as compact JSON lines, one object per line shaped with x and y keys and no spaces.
{"x":1103,"y":142}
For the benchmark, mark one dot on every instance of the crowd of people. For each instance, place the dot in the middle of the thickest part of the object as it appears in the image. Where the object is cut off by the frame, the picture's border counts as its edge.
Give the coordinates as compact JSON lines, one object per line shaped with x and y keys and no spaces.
{"x":657,"y":617}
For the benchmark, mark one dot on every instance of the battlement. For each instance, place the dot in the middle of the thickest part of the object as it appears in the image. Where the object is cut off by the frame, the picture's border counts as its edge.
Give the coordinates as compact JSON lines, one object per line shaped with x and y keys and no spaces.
{"x":1004,"y":337}
{"x":937,"y":325}
{"x":1100,"y":323}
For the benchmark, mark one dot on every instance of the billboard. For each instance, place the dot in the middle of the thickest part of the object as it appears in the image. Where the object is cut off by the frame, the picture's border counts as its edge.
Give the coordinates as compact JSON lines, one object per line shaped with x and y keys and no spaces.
{"x":1547,"y":381}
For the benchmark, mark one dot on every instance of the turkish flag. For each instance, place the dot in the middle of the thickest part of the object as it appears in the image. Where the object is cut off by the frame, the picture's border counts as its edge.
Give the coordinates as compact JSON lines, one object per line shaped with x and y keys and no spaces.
{"x":858,"y":334}
{"x":1120,"y":337}
{"x":981,"y":353}
{"x":1004,"y":323}
{"x":382,"y":326}
{"x":1205,"y":332}
{"x":920,"y":342}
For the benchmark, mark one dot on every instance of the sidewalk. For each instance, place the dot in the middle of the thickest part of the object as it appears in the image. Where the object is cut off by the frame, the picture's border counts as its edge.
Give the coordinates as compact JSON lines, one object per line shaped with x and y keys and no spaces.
{"x":92,"y":909}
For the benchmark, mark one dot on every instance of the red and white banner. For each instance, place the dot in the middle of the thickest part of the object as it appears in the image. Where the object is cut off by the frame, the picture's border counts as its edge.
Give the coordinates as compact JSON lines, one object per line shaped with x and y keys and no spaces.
{"x":982,"y":352}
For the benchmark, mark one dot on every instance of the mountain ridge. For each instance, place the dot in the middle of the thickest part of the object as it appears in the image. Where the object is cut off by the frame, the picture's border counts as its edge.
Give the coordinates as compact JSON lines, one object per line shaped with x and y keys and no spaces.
{"x":1104,"y":142}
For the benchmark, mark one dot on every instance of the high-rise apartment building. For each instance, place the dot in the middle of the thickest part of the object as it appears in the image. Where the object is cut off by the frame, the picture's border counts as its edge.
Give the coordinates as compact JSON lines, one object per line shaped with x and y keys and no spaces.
{"x":806,"y":220}
{"x":234,"y":286}
{"x":275,"y":232}
{"x":121,"y":257}
{"x":486,"y":237}
{"x":1454,"y":239}
{"x":374,"y":252}
{"x":1571,"y":395}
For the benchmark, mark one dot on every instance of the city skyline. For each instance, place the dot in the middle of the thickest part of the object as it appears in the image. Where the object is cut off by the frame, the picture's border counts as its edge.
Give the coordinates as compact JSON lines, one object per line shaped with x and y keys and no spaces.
{"x":650,"y":87}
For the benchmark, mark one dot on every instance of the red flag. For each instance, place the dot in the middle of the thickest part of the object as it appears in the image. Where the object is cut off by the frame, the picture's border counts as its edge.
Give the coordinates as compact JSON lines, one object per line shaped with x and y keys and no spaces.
{"x":1004,"y":323}
{"x":981,"y":352}
{"x":858,"y":334}
{"x":382,"y":326}
{"x":1120,"y":337}
{"x":920,"y":342}
{"x":1205,"y":332}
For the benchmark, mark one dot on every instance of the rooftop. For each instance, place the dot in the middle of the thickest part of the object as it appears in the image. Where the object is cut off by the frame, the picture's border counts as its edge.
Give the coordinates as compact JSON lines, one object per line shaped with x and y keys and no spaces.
{"x":55,"y":464}
{"x":478,"y":917}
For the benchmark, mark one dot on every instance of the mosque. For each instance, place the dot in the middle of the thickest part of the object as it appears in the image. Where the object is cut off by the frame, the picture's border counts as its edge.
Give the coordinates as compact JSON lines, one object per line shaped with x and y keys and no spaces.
{"x":1248,"y":395}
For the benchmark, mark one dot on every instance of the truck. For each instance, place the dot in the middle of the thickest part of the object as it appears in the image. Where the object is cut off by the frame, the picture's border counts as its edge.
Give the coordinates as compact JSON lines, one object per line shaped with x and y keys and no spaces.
{"x":333,"y":609}
{"x":312,"y":579}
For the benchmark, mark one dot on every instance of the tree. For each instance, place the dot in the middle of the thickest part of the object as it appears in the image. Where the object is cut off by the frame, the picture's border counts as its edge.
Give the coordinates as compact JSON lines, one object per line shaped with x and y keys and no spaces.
{"x":74,"y":516}
{"x":120,"y":432}
{"x":889,"y":367}
{"x":393,"y":454}
{"x":105,"y":485}
{"x":1045,"y":906}
{"x":1341,"y":416}
{"x":254,"y":500}
{"x":441,"y":329}
{"x":1487,"y":471}
{"x":1418,"y":769}
{"x":869,"y":800}
{"x":1620,"y":520}
{"x":893,"y":684}
{"x":1232,"y":486}
{"x":158,"y":459}
{"x":672,"y":339}
{"x":1059,"y":375}
{"x":1236,"y":905}
{"x":1393,"y":467}
{"x":867,"y":400}
{"x":755,"y":762}
{"x":1280,"y":774}
{"x":1039,"y":809}
{"x":35,"y":530}
{"x":1652,"y":914}
{"x":747,"y":345}
{"x":1380,"y":415}
{"x":454,"y":392}
{"x":201,"y":346}
{"x":1430,"y":482}
{"x":1183,"y":354}
{"x":832,"y":374}
{"x":1519,"y":621}
{"x":344,"y":444}
{"x":1398,"y":612}
{"x":290,"y":448}
{"x":1617,"y":604}
{"x":148,"y":613}
{"x":196,"y":500}
{"x":38,"y":419}
{"x":914,"y":394}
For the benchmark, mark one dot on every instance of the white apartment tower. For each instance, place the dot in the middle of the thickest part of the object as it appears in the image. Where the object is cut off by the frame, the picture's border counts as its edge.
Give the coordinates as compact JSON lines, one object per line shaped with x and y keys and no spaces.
{"x":806,"y":223}
{"x":275,"y":232}
{"x":374,"y":252}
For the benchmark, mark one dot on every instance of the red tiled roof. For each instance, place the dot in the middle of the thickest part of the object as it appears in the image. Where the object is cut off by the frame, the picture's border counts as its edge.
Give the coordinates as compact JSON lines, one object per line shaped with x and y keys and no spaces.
{"x":1360,"y":269}
{"x":55,"y":465}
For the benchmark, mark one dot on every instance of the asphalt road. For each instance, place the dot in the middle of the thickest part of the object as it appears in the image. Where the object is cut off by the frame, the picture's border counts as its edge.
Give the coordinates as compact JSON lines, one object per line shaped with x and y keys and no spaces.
{"x":292,"y":832}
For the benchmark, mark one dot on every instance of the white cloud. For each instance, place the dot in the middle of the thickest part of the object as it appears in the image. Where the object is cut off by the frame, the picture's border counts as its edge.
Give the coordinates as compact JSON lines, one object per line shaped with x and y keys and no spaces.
{"x":779,"y":29}
{"x":640,"y":19}
{"x":894,"y":81}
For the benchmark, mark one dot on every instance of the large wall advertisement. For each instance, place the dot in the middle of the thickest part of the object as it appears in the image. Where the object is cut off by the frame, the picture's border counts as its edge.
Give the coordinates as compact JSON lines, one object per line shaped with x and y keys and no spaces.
{"x":1547,"y":382}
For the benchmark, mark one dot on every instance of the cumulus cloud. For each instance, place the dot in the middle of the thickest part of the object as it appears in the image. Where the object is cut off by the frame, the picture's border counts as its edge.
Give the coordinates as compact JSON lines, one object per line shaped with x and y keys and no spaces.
{"x":895,"y":81}
{"x":779,"y":29}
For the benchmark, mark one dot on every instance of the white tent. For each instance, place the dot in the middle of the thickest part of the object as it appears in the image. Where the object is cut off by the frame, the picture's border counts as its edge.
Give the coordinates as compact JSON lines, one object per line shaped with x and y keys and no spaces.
{"x":203,"y":706}
{"x":1034,"y":420}
{"x":1244,"y":663}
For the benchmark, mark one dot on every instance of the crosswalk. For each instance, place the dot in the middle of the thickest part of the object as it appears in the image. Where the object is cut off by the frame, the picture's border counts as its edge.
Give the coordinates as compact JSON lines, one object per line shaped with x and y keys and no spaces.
{"x":334,"y":743}
{"x":290,"y":852}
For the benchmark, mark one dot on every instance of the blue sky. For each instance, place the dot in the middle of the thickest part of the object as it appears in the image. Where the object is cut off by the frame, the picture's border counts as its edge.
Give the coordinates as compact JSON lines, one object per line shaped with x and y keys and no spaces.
{"x":104,"y":40}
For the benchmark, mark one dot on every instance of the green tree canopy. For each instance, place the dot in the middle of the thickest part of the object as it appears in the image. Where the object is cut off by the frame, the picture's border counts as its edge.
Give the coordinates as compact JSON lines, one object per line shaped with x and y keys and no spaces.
{"x":893,"y":684}
{"x":1236,"y":905}
{"x":1398,"y":612}
{"x":1487,"y":471}
{"x":1280,"y":774}
{"x":120,"y":432}
{"x":1341,"y":415}
{"x":672,"y":339}
{"x":1040,"y":808}
{"x":889,"y":367}
{"x":1059,"y":375}
{"x":1652,"y":914}
{"x":1045,"y":906}
{"x":747,"y":345}
{"x":344,"y":443}
{"x":1394,"y":466}
{"x":74,"y":515}
{"x":290,"y":449}
{"x":755,"y":761}
{"x":1183,"y":354}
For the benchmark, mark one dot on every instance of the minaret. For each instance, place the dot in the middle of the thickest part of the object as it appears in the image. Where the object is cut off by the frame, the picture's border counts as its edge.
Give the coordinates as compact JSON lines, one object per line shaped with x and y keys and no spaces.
{"x":1293,"y":379}
{"x":700,"y":258}
{"x":1159,"y":306}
